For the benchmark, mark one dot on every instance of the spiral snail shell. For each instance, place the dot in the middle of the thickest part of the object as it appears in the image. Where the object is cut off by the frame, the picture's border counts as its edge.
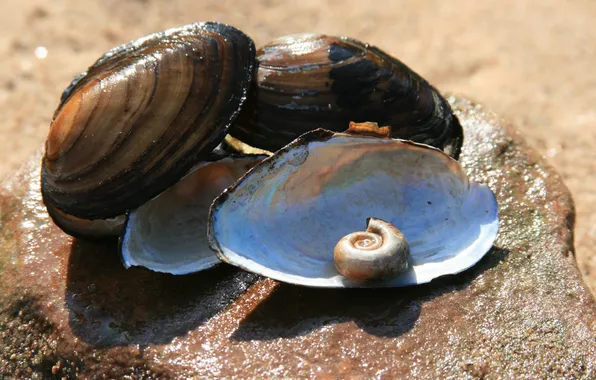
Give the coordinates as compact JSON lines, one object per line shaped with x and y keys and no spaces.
{"x":379,"y":253}
{"x":311,"y":81}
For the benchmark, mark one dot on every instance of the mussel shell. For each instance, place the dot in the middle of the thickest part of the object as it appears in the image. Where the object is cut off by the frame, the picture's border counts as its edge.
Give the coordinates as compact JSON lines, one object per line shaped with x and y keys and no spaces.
{"x":142,"y":116}
{"x":169,"y":233}
{"x":314,"y":81}
{"x":285,"y":216}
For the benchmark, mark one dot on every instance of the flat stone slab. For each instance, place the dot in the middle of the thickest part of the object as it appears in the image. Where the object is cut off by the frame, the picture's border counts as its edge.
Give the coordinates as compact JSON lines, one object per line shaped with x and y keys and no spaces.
{"x":69,"y":308}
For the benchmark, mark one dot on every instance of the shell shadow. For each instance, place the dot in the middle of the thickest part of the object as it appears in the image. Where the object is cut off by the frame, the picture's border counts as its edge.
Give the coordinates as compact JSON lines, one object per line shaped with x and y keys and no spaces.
{"x":113,"y":306}
{"x":292,"y":311}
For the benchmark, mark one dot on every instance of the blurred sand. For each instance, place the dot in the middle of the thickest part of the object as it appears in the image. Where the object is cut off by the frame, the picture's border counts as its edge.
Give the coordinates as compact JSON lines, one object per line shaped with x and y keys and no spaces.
{"x":533,"y":62}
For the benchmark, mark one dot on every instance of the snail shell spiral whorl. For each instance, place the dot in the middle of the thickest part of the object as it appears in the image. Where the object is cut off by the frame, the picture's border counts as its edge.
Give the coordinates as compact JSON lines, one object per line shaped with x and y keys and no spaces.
{"x":380,"y":252}
{"x":142,"y":116}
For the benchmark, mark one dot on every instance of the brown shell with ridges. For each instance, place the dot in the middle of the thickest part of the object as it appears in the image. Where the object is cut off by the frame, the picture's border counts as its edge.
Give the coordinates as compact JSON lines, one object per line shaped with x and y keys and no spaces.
{"x":142,"y":116}
{"x":311,"y":81}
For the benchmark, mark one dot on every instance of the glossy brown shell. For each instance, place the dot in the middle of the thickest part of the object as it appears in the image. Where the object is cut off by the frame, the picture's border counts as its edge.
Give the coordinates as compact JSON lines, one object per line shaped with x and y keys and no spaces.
{"x":313,"y":81}
{"x":142,"y":116}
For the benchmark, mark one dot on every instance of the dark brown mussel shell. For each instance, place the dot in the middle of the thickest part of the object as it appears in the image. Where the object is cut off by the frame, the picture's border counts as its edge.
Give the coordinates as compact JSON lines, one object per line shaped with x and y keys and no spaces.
{"x":313,"y":81}
{"x":142,"y":116}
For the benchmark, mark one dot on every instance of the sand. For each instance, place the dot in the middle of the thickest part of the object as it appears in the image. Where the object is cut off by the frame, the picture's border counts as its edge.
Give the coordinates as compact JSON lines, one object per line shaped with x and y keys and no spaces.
{"x":531,"y":61}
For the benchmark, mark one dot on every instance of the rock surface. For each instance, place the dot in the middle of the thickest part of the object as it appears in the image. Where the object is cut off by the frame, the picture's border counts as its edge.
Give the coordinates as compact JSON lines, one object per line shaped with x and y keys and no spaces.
{"x":68,"y":307}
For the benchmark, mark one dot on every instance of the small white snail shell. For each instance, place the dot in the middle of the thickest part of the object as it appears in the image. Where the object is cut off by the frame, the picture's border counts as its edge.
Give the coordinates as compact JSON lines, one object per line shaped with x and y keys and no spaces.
{"x":380,"y":252}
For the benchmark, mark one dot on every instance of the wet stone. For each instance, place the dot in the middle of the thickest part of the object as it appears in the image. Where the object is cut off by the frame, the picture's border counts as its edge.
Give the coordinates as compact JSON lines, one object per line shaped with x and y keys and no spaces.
{"x":69,"y":309}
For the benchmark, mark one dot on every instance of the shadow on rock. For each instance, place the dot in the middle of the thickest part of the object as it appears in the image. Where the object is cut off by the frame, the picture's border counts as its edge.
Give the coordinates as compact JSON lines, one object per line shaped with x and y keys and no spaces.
{"x":292,"y":311}
{"x":113,"y":306}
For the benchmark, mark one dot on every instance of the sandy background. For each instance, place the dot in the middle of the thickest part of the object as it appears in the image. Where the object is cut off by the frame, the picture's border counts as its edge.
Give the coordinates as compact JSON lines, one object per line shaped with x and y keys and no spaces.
{"x":533,"y":62}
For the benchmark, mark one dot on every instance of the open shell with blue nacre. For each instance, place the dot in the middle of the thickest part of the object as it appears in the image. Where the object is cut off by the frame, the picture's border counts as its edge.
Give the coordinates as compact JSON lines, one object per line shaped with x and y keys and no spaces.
{"x":285,"y":216}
